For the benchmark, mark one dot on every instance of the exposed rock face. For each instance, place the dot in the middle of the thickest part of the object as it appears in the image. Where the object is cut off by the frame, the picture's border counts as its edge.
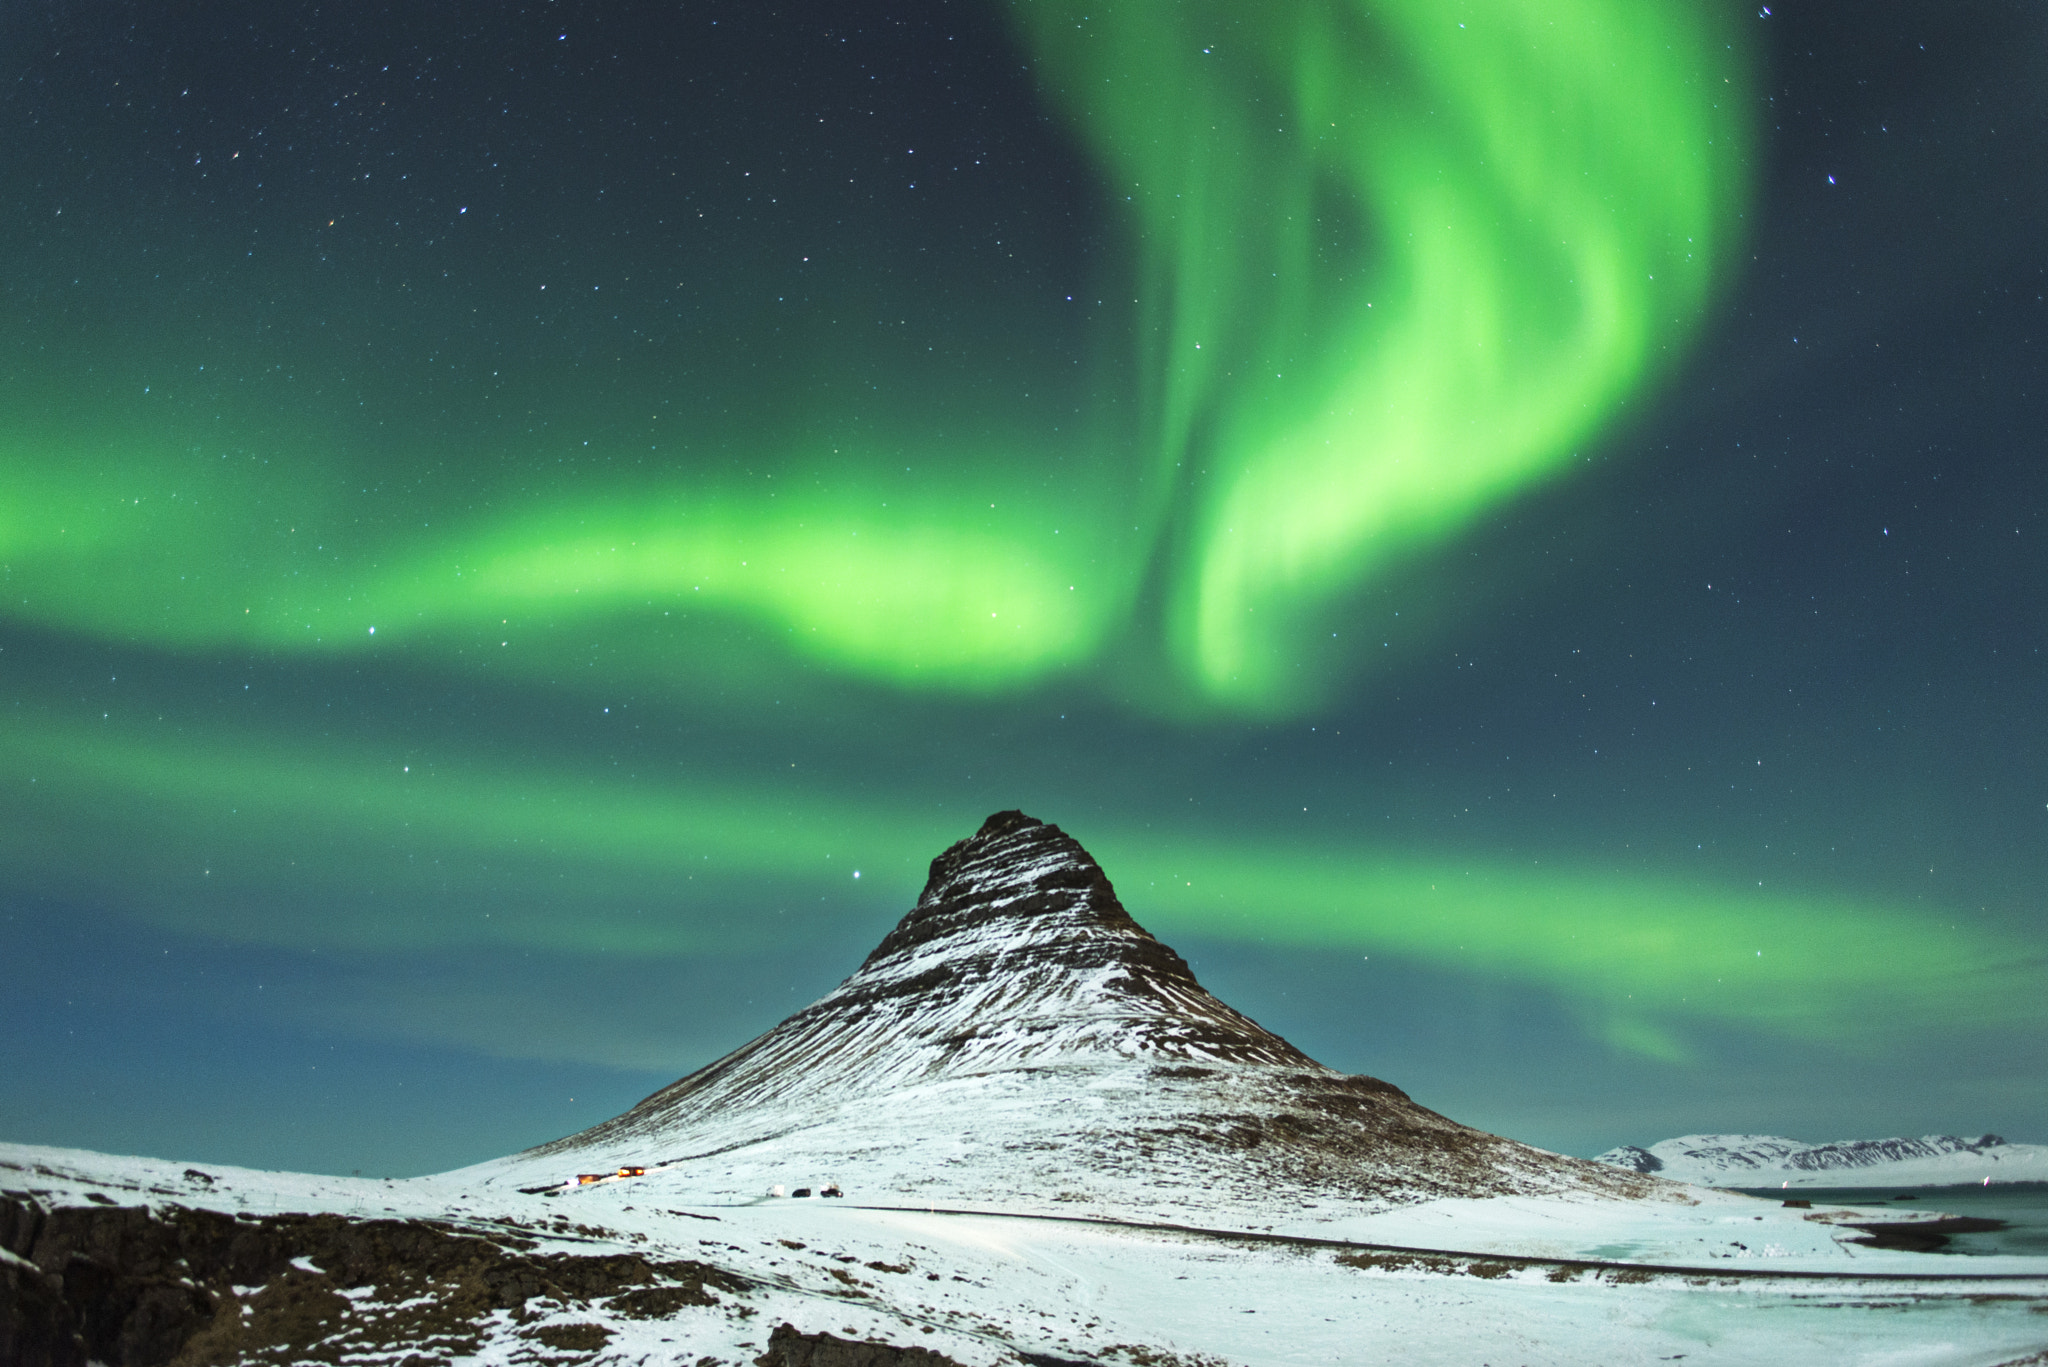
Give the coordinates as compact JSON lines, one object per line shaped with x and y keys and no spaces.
{"x":106,"y":1286}
{"x":1633,"y":1157}
{"x":1030,"y":1037}
{"x":1020,"y":930}
{"x":130,"y":1287}
{"x":788,"y":1348}
{"x":37,"y":1327}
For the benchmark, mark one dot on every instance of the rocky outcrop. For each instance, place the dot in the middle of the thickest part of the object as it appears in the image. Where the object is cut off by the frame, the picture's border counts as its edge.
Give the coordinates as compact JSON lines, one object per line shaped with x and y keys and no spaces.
{"x":111,"y":1286}
{"x":37,"y":1327}
{"x":1633,"y":1157}
{"x":789,"y":1348}
{"x":131,"y":1287}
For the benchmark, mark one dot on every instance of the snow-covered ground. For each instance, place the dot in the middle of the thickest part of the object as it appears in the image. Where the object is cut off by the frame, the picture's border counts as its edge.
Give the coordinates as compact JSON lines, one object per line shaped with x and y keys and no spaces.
{"x":1762,"y":1160}
{"x":1520,"y":1280}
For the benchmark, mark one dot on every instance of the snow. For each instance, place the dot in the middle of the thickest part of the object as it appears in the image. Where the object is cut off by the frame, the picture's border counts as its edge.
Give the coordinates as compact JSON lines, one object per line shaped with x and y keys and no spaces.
{"x":1756,"y":1160}
{"x":1313,"y":1290}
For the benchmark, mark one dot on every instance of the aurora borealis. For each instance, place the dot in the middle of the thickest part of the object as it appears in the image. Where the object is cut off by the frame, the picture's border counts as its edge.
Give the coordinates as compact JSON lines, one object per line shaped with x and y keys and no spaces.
{"x":1488,"y":519}
{"x":1454,"y":305}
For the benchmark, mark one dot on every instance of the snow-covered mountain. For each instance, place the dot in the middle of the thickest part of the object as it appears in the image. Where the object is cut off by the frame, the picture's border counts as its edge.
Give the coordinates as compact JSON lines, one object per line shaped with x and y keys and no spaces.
{"x":1018,"y":1040}
{"x":1056,"y":1150}
{"x":1762,"y":1160}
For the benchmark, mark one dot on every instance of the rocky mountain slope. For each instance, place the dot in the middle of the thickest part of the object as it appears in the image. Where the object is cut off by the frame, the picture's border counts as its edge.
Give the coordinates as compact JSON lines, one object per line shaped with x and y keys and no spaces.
{"x":1019,"y":1040}
{"x":1763,"y":1160}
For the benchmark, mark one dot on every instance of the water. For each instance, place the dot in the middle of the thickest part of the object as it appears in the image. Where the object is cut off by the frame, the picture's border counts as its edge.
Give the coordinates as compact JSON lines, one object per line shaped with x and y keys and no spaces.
{"x":2022,"y":1205}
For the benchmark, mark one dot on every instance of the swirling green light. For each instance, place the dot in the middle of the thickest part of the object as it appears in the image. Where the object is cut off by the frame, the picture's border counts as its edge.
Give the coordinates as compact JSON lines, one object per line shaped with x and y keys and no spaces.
{"x":1400,"y":259}
{"x":1389,"y":266}
{"x":215,"y":831}
{"x":1392,"y":263}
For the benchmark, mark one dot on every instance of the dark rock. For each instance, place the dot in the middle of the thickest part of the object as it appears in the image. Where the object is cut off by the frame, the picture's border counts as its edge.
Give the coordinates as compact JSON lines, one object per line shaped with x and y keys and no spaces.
{"x":572,"y":1338}
{"x":20,"y":1221}
{"x":37,"y":1327}
{"x":129,"y":1287}
{"x":659,"y":1302}
{"x":1923,"y":1236}
{"x":788,"y":1348}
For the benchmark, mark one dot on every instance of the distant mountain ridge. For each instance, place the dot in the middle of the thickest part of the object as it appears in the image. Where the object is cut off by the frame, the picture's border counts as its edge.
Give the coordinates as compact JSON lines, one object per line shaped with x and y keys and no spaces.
{"x":1018,"y":1036}
{"x":1755,"y":1160}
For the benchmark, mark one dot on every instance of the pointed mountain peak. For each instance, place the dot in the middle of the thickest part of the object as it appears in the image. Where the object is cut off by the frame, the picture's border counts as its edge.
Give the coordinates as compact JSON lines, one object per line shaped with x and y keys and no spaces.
{"x":1017,"y":1032}
{"x":1019,"y":949}
{"x":1017,"y":955}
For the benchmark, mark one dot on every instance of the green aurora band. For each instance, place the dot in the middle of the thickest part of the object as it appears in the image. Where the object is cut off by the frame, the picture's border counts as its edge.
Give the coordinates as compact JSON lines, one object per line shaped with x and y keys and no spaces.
{"x":1393,"y":264}
{"x":1398,"y":260}
{"x":1389,"y":266}
{"x":570,"y":866}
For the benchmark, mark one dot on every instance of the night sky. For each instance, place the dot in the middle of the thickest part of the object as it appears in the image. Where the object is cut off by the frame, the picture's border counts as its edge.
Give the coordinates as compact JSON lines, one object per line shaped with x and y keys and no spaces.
{"x":1512,"y":528}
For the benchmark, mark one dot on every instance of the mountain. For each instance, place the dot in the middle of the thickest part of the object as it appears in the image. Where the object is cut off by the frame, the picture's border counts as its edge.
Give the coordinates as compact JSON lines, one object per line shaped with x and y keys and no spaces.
{"x":1761,"y":1160}
{"x":1019,"y":1040}
{"x":1057,"y":1150}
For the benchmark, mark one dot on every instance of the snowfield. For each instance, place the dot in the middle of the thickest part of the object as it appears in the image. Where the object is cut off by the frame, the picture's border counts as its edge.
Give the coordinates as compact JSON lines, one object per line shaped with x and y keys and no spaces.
{"x":1521,"y":1281}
